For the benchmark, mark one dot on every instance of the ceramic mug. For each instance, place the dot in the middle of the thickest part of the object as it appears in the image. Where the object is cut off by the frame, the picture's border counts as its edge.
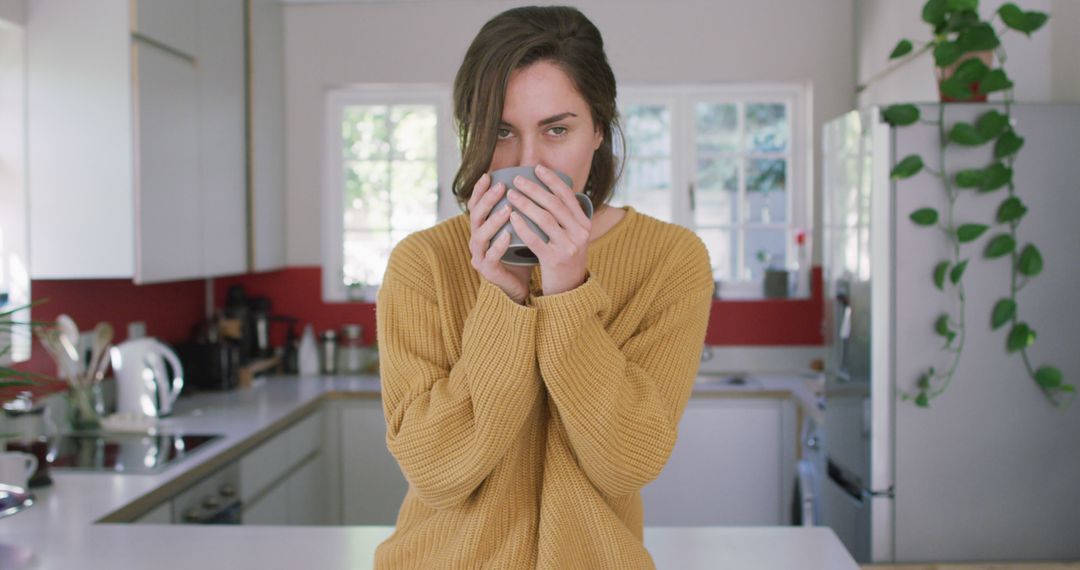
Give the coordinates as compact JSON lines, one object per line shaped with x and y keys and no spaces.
{"x":16,"y":468}
{"x":517,"y":253}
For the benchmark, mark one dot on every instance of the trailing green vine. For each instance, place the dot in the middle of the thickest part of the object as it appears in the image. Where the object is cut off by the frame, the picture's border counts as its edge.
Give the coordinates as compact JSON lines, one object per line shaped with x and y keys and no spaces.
{"x":960,"y":38}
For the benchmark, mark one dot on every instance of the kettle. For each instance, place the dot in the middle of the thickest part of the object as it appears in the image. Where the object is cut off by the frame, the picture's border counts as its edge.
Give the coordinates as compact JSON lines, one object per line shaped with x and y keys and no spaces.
{"x":142,"y":386}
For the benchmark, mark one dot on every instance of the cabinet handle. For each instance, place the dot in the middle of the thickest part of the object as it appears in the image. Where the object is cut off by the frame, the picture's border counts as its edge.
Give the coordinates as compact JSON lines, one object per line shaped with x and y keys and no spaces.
{"x":165,"y":48}
{"x":690,"y":188}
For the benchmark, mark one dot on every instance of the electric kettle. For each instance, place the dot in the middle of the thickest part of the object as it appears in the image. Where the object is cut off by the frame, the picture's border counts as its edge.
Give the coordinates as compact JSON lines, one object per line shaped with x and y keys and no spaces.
{"x":142,"y":385}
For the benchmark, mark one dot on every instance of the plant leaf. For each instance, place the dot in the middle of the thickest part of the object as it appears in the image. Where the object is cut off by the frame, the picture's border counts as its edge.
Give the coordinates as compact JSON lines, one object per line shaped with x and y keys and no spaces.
{"x":925,"y":216}
{"x":946,"y":53}
{"x":1031,"y":261}
{"x":1011,"y":209}
{"x":908,"y":167}
{"x":991,"y":124}
{"x":965,"y":134}
{"x":970,"y":232}
{"x":1019,"y":20}
{"x":939,"y":274}
{"x":1003,"y":313}
{"x":960,"y":5}
{"x":1001,"y":244}
{"x":900,"y":115}
{"x":941,"y":325}
{"x":1048,"y":377}
{"x":903,"y":47}
{"x":978,"y":38}
{"x":933,"y":12}
{"x":957,"y":90}
{"x":970,"y":178}
{"x":958,"y":272}
{"x":995,"y":80}
{"x":1021,"y":336}
{"x":922,"y":401}
{"x":971,"y":71}
{"x":994,"y":177}
{"x":1007,"y":144}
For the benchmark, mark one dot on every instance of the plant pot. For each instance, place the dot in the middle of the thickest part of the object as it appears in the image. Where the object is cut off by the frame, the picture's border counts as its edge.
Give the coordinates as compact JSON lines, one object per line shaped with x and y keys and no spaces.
{"x":944,"y":73}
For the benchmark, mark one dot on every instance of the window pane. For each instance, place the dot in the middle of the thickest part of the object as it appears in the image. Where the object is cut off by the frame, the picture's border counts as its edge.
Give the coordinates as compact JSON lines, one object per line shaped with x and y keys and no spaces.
{"x":766,"y":190}
{"x":716,"y":192}
{"x":721,"y":246}
{"x":414,"y":131}
{"x":648,"y":130}
{"x":364,"y":132}
{"x":414,"y":192}
{"x":646,"y":185}
{"x":717,"y":127}
{"x":766,"y":127}
{"x":367,"y":196}
{"x":764,"y":248}
{"x":366,"y":254}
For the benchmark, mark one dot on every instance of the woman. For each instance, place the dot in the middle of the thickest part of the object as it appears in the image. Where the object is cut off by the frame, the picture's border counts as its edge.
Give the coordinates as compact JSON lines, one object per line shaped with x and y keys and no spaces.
{"x":528,"y":406}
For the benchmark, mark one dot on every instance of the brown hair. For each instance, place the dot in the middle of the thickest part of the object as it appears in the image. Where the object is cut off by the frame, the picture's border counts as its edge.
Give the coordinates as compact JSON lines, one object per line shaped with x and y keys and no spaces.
{"x":516,"y":39}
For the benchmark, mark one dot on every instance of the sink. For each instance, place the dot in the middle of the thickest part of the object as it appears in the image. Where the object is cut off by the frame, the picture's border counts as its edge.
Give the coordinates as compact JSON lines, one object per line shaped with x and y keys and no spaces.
{"x":123,"y":452}
{"x":733,"y":379}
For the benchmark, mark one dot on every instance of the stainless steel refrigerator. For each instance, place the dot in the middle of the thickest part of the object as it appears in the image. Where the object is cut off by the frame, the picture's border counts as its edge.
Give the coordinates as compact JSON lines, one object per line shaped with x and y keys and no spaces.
{"x":990,"y":470}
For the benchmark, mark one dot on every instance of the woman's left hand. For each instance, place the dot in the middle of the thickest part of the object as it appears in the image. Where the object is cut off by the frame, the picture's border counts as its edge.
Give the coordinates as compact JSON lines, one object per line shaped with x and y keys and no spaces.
{"x":564,"y":257}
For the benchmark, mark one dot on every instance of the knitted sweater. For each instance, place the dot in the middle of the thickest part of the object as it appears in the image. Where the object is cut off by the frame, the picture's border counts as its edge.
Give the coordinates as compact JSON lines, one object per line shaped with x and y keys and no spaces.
{"x":527,"y":431}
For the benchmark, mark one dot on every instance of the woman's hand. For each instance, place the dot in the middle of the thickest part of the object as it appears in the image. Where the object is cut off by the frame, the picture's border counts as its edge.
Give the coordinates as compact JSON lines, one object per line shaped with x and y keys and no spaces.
{"x":564,"y":257}
{"x":513,"y":280}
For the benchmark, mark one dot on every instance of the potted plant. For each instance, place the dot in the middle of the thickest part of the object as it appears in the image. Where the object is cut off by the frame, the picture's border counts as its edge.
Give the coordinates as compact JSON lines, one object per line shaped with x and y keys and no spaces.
{"x":962,"y":43}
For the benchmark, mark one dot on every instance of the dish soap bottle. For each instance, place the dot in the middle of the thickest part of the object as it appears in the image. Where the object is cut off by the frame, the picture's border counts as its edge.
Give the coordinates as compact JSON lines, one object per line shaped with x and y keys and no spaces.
{"x":308,"y":357}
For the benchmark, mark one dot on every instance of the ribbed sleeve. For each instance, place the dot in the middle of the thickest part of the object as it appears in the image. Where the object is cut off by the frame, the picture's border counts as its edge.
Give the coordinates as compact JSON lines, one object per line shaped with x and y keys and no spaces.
{"x":621,"y":404}
{"x":449,"y":425}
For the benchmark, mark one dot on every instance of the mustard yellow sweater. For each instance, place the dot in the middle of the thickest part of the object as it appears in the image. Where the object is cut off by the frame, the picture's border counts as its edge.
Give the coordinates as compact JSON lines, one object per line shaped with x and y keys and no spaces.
{"x":527,"y":431}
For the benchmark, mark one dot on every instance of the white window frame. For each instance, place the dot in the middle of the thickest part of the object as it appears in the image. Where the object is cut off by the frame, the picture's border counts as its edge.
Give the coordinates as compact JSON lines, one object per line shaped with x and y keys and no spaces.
{"x":681,"y":99}
{"x":448,"y":158}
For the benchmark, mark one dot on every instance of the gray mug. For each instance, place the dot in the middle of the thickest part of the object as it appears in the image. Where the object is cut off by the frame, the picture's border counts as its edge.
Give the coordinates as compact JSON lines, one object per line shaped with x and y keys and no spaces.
{"x":517,"y":253}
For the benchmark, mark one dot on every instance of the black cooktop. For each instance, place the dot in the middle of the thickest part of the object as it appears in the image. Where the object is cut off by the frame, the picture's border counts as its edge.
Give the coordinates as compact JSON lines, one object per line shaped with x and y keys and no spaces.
{"x":122,"y":452}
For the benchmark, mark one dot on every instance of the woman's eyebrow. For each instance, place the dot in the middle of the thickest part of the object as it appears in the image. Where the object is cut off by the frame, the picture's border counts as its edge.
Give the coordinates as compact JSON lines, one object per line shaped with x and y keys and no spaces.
{"x":542,"y":122}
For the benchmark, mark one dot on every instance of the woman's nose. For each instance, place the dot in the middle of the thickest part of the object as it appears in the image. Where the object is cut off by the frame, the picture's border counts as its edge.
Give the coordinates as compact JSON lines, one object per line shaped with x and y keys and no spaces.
{"x":528,"y":152}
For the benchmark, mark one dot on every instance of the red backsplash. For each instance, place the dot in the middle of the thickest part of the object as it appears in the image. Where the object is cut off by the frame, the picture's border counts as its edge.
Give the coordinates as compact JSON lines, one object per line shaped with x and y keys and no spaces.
{"x":171,"y":310}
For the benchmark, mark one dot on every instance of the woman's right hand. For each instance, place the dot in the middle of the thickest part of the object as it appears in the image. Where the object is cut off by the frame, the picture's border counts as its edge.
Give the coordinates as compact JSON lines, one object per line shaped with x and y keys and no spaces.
{"x":512,"y":279}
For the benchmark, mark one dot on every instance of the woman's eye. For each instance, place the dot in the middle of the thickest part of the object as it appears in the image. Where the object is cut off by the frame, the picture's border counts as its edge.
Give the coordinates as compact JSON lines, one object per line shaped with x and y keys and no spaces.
{"x":504,"y":133}
{"x":557,"y":131}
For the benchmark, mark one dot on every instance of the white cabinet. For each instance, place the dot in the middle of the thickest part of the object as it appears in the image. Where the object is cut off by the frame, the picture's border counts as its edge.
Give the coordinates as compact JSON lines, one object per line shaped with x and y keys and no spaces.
{"x":282,"y":481}
{"x":371,"y":481}
{"x":733,"y":465}
{"x":136,"y":139}
{"x":160,"y":515}
{"x":266,"y":108}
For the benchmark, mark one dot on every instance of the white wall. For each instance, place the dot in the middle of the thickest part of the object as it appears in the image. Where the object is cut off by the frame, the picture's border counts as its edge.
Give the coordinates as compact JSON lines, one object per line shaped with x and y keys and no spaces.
{"x":647,"y":41}
{"x":13,"y":11}
{"x":1043,"y":67}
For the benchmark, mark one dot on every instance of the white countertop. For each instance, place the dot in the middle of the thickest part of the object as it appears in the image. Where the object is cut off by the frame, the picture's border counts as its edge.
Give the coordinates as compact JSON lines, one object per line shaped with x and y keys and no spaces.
{"x":61,"y":531}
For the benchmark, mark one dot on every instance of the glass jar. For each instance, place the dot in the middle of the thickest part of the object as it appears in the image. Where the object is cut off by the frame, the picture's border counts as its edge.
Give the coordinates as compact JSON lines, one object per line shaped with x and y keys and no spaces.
{"x":352,"y":349}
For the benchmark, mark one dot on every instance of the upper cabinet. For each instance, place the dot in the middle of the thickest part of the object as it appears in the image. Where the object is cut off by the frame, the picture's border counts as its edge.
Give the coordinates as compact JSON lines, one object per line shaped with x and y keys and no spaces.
{"x":138,"y":158}
{"x":266,"y":120}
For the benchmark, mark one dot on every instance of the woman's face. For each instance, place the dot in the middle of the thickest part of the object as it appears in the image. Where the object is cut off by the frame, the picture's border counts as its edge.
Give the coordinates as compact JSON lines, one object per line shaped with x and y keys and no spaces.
{"x":546,"y":121}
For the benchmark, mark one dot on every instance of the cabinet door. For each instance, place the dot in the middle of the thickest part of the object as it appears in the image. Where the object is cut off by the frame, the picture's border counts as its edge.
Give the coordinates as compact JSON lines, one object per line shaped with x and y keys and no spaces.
{"x":270,"y":509}
{"x":169,"y":22}
{"x":727,"y":468}
{"x":372,"y":484}
{"x":168,"y":244}
{"x":221,"y":142}
{"x":267,"y":151}
{"x":306,"y":492}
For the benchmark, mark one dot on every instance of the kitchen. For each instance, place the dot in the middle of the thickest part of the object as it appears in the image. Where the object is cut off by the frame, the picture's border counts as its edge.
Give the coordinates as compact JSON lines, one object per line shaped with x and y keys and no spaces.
{"x":267,"y":226}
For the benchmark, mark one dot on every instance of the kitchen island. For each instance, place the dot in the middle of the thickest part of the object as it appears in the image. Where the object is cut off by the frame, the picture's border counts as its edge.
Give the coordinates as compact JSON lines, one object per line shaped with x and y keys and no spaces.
{"x":77,"y":522}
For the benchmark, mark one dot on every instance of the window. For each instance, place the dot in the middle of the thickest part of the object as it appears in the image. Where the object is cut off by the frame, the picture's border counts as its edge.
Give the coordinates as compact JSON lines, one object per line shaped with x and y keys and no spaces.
{"x":391,"y":162}
{"x":730,"y":163}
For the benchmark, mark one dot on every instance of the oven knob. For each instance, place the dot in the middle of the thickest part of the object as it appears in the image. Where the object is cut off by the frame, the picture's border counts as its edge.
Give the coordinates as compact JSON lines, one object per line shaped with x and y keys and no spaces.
{"x":211,"y":502}
{"x":227,"y":491}
{"x":192,"y":515}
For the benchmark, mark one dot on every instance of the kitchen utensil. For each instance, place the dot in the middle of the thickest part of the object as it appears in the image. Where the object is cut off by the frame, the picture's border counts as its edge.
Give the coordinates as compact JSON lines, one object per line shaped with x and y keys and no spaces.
{"x":70,"y":331}
{"x":50,"y":339}
{"x":103,"y":333}
{"x":16,"y":468}
{"x":143,"y":387}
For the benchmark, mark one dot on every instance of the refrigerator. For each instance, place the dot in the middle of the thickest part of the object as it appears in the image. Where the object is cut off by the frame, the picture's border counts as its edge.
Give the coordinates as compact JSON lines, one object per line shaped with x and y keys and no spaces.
{"x":990,"y":470}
